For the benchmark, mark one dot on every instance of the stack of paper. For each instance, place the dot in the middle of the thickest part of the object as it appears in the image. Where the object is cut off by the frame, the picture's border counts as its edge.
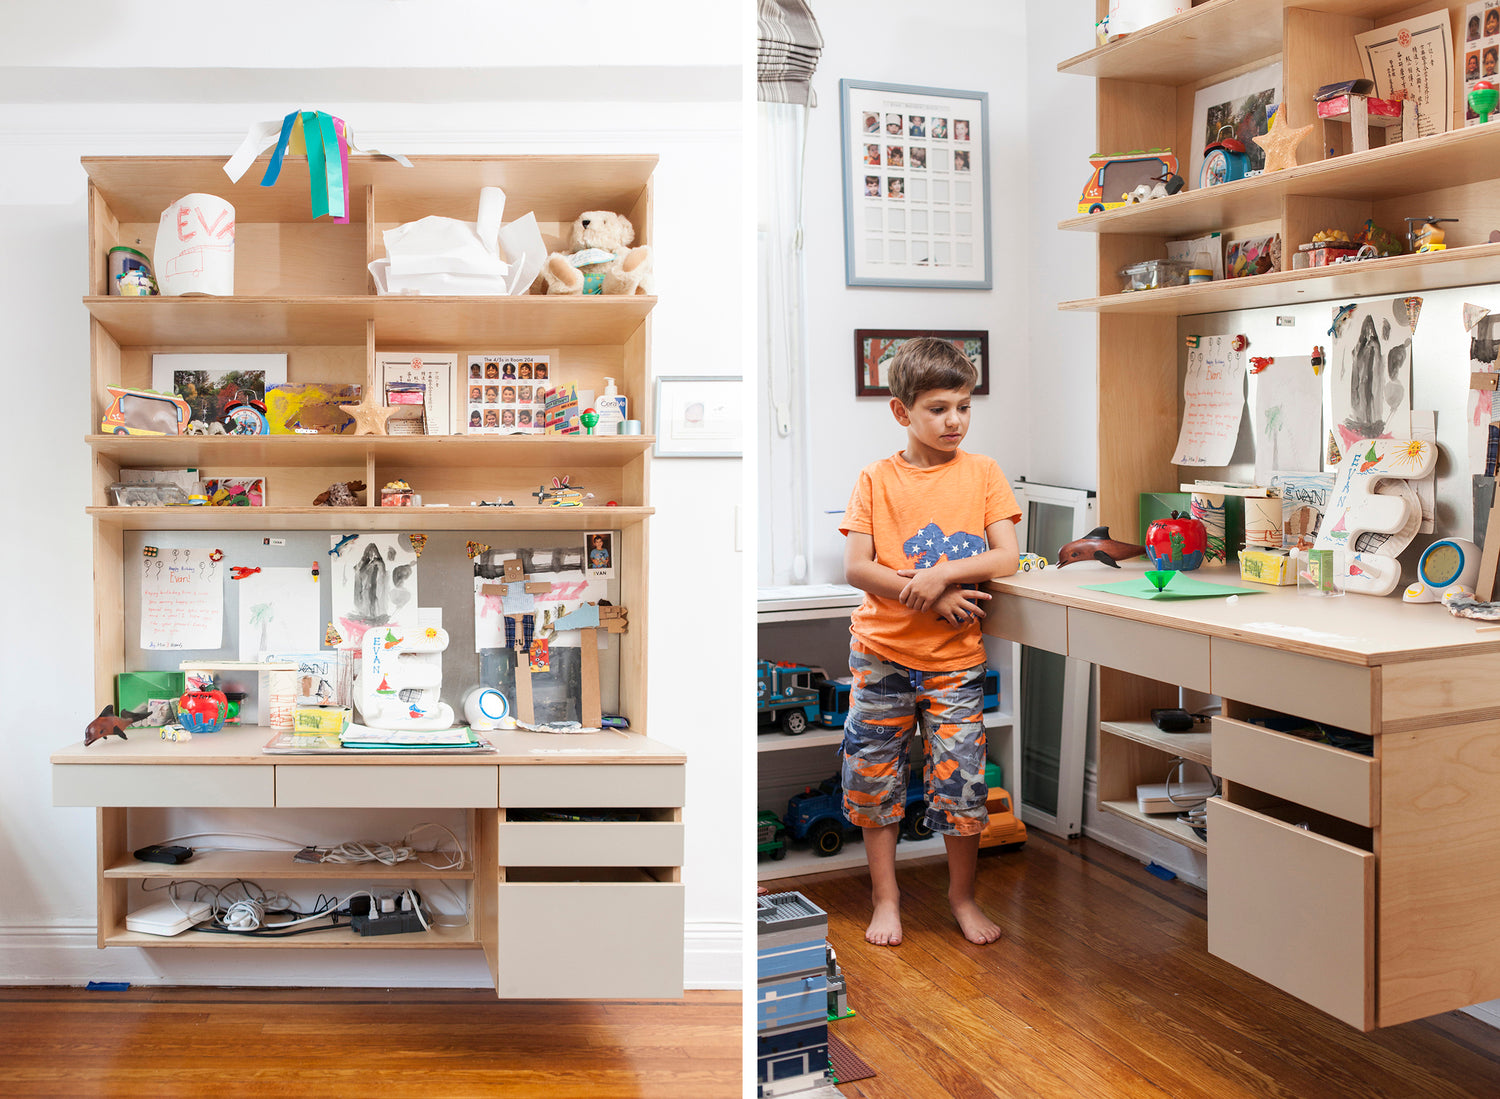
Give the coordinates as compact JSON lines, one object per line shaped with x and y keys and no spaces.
{"x":360,"y":736}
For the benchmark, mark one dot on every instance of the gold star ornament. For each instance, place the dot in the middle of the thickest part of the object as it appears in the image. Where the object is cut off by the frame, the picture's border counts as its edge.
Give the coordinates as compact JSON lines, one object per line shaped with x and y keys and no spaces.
{"x":1280,"y":142}
{"x":369,"y":419}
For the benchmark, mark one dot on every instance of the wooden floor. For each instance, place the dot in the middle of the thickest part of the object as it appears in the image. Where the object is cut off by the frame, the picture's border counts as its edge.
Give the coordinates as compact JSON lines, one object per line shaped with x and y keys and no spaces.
{"x":373,"y":1044}
{"x":1102,"y":987}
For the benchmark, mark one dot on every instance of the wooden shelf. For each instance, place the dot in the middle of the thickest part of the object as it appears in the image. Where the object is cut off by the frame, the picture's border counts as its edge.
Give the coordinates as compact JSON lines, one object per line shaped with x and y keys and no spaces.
{"x":1163,"y":824}
{"x":370,"y":518}
{"x":779,"y":742}
{"x":411,"y":451}
{"x":801,"y":860}
{"x":527,"y":321}
{"x":1208,"y":39}
{"x":1451,"y":159}
{"x":438,"y":938}
{"x":1479,"y":263}
{"x":138,"y":189}
{"x":227,"y":865}
{"x":1197,"y":747}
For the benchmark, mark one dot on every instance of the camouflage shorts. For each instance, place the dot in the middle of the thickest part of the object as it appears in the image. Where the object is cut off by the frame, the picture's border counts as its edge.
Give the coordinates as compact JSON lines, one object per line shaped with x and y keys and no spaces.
{"x":885,"y":705}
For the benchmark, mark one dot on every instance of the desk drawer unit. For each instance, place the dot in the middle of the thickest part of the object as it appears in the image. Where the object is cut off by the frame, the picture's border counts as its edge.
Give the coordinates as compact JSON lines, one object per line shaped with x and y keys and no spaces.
{"x":1331,"y":780}
{"x":394,"y":786}
{"x":564,"y":939}
{"x":548,"y":786}
{"x":589,"y":843}
{"x":1294,"y":908}
{"x":1156,"y":652}
{"x":189,"y":785}
{"x":1323,"y":690}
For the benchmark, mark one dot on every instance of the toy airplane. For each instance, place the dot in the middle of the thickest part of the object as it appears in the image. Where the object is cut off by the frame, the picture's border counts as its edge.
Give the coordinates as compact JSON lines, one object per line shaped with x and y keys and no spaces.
{"x":108,"y":724}
{"x":1097,"y":545}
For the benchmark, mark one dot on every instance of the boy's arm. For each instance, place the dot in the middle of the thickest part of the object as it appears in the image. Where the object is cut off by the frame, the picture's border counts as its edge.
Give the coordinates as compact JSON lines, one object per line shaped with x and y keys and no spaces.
{"x":925,"y":586}
{"x":865,"y":573}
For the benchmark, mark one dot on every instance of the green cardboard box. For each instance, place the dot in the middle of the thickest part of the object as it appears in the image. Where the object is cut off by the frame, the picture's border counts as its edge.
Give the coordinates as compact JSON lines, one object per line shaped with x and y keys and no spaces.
{"x":132,"y":689}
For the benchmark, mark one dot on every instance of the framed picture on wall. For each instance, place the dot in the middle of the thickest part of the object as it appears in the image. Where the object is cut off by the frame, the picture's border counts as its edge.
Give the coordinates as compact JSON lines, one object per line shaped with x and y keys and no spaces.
{"x":875,"y":348}
{"x":699,"y":417}
{"x":916,"y":186}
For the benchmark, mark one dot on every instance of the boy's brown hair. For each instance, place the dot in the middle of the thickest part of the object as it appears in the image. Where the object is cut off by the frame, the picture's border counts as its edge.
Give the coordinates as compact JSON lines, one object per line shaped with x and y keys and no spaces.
{"x":925,"y":363}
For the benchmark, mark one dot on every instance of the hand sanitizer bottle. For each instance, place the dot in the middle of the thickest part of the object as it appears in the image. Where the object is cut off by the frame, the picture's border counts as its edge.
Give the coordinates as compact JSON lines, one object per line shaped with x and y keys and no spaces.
{"x":611,"y":409}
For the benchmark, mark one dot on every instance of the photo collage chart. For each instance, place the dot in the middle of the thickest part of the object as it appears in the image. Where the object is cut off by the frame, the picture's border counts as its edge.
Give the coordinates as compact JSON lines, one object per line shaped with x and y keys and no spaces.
{"x":920,"y":185}
{"x":506,"y":393}
{"x":1480,"y":50}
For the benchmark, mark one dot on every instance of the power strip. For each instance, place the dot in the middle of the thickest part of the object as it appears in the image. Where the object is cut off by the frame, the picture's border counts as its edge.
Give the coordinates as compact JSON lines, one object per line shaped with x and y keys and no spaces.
{"x":399,"y":921}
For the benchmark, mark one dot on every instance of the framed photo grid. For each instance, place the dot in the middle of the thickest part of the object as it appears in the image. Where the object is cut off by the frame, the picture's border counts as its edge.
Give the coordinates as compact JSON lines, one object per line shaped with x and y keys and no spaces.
{"x":916,"y":186}
{"x":875,"y":348}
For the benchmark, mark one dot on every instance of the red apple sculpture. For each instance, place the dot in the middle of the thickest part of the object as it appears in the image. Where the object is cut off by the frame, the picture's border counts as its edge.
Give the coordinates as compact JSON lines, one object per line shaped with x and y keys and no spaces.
{"x":1176,"y":543}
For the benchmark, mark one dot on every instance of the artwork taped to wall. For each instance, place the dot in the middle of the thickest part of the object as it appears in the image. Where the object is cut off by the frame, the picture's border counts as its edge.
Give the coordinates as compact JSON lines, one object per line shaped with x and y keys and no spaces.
{"x":916,"y":186}
{"x":182,"y":600}
{"x":1304,"y":499}
{"x":278,"y":611}
{"x":1286,"y":401}
{"x":1369,"y":373}
{"x":875,"y":349}
{"x":374,"y":583}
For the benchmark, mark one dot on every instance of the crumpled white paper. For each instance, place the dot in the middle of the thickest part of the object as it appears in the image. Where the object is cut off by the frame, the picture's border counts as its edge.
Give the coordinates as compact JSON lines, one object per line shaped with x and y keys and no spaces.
{"x":440,"y":255}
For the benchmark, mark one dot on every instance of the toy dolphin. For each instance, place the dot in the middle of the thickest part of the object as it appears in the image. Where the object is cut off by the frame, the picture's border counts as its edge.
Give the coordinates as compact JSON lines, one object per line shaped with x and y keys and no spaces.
{"x":1097,"y":545}
{"x":107,"y":724}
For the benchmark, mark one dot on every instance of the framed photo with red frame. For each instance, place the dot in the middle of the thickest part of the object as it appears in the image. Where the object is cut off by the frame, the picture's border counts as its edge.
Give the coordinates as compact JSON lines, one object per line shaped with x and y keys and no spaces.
{"x":874,"y":348}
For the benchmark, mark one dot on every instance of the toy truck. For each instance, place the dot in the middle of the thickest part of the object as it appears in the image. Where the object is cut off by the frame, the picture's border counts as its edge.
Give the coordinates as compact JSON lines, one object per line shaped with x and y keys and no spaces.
{"x":770,"y":835}
{"x":818,"y":815}
{"x":1004,"y":830}
{"x":785,"y":696}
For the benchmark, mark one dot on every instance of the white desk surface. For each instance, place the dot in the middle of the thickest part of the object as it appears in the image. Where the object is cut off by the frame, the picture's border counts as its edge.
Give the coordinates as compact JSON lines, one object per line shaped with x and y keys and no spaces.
{"x":1354,"y":629}
{"x":243,"y":745}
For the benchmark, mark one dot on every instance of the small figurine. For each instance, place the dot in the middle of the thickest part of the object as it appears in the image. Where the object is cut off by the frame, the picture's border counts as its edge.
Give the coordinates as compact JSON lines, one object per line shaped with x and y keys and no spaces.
{"x":338,"y":547}
{"x":1097,"y":545}
{"x":108,"y":724}
{"x":1429,"y":238}
{"x":1483,"y":98}
{"x":340,"y":494}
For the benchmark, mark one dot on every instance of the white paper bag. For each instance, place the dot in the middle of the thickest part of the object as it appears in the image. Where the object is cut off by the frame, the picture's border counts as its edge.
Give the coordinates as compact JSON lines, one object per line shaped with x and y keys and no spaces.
{"x":195,"y":247}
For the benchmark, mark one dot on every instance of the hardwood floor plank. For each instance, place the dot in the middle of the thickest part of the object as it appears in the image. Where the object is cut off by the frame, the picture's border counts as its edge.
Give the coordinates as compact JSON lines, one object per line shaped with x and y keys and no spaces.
{"x":193,"y":1042}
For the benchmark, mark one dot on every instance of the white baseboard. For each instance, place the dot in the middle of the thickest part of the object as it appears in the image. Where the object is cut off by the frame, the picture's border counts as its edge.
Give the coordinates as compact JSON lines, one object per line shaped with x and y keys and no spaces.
{"x":67,"y":955}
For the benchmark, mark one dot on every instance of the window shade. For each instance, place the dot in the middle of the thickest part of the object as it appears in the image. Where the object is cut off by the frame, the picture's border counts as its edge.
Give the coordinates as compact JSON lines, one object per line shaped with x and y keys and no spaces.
{"x":787,"y":52}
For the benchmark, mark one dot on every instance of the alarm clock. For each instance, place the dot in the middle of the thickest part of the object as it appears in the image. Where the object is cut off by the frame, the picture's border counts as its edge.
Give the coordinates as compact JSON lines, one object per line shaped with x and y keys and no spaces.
{"x":1224,"y":161}
{"x":486,"y":709}
{"x":1447,"y":564}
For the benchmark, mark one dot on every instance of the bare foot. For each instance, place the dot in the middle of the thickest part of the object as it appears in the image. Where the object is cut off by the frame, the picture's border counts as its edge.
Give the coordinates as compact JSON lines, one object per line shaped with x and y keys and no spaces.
{"x":885,"y":925}
{"x":976,"y":926}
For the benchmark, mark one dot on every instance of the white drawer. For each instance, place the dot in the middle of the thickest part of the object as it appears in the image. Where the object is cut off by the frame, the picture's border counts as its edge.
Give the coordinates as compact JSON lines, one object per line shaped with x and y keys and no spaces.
{"x":1294,"y":908}
{"x":554,"y":786}
{"x":1345,"y":784}
{"x":1156,"y":652}
{"x":393,"y":786}
{"x":590,"y":843}
{"x":589,"y":939}
{"x":1324,"y":690}
{"x":1028,"y":621}
{"x":189,"y":785}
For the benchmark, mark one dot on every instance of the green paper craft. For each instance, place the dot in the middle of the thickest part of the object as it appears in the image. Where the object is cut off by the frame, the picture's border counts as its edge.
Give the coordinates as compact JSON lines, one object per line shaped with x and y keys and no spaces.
{"x":1184,"y":587}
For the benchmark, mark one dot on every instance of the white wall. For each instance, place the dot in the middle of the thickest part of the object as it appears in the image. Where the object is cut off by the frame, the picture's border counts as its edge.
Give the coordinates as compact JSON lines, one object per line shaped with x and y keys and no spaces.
{"x":47,"y":854}
{"x":902,"y":43}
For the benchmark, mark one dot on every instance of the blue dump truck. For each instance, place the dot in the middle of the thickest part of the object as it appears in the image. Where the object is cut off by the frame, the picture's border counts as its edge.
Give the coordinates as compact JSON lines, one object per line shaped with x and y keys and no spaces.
{"x":785,"y":696}
{"x":818,"y":814}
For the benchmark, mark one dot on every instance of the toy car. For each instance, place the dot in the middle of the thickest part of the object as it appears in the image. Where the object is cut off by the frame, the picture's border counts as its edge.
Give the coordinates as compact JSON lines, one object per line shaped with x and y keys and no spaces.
{"x":785,"y":696}
{"x":770,"y":835}
{"x":1031,"y":561}
{"x":1118,"y":174}
{"x":1004,"y":829}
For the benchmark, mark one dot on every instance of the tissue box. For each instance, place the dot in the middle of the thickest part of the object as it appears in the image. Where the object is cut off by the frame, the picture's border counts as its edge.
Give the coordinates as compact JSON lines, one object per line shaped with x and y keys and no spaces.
{"x":1268,"y":567}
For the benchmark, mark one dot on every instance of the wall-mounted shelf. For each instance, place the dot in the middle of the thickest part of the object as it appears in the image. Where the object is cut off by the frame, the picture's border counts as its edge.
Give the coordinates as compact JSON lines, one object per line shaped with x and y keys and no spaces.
{"x":413,"y":451}
{"x":369,"y":518}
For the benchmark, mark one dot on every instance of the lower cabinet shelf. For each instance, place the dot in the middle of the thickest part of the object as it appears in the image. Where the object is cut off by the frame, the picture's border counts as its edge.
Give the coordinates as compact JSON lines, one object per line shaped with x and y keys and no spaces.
{"x":438,"y":938}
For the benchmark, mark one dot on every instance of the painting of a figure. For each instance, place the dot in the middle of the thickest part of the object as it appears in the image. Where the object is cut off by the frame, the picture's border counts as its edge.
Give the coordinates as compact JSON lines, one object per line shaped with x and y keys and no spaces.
{"x":376,"y":586}
{"x":1369,"y":380}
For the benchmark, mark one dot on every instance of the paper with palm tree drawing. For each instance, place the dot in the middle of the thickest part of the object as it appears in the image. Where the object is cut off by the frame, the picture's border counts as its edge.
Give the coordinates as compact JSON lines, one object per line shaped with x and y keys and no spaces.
{"x":278,"y":611}
{"x":1286,"y":399}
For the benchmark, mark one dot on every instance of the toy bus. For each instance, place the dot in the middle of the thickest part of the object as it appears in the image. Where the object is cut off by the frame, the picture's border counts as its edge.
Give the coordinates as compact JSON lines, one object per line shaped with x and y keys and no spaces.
{"x":1118,"y":174}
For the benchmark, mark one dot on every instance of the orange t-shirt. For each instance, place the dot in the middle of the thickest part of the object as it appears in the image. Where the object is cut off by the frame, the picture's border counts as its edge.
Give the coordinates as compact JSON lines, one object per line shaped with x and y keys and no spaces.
{"x":917,"y":518}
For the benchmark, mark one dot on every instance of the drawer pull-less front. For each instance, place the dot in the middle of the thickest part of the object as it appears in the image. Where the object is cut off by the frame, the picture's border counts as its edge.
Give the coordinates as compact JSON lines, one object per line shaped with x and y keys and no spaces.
{"x":1332,"y":780}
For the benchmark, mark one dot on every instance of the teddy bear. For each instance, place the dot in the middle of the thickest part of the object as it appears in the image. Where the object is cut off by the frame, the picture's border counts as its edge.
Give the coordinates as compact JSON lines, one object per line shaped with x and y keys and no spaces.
{"x":602,"y":260}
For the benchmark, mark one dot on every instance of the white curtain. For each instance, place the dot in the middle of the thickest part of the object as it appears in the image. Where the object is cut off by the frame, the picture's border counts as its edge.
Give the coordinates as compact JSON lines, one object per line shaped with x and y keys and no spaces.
{"x":781,"y":343}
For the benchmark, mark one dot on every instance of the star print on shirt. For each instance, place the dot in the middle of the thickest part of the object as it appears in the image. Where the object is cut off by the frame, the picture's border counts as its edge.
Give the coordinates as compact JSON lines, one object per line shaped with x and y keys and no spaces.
{"x":930,"y":545}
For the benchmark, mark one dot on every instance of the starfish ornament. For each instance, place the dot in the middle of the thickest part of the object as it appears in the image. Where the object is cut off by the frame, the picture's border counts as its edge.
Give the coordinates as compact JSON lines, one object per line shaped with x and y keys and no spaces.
{"x":1280,"y":142}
